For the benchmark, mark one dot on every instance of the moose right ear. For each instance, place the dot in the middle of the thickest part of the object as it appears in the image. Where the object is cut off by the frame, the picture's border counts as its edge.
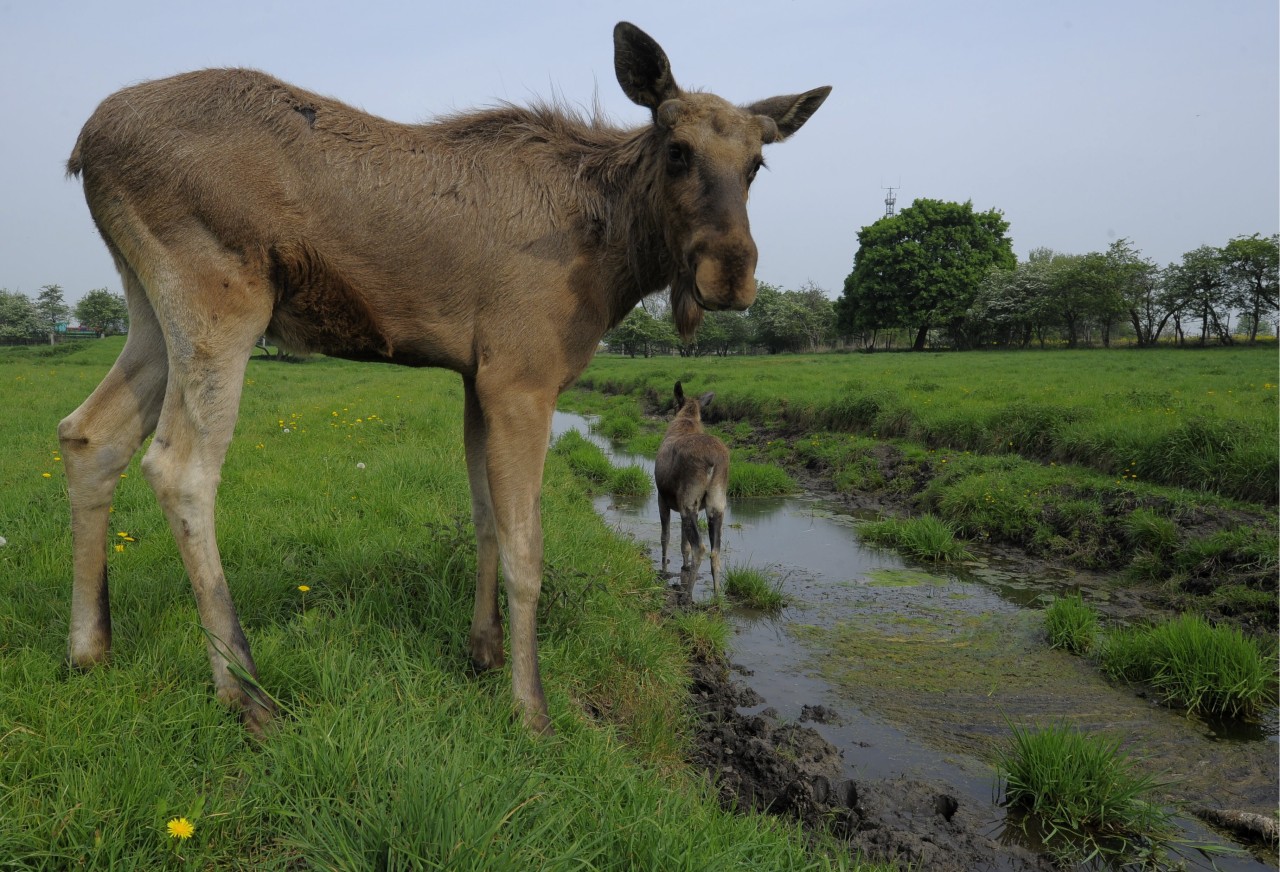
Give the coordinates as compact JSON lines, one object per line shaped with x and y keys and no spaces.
{"x":679,"y":396}
{"x":642,"y":67}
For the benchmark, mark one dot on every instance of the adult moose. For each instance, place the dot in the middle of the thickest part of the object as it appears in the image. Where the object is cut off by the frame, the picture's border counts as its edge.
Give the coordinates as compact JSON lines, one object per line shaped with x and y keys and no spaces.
{"x":692,"y":475}
{"x":501,"y":244}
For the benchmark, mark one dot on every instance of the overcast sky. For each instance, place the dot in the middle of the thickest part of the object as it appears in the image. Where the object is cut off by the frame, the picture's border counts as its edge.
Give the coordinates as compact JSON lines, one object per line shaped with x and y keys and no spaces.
{"x":1081,"y":121}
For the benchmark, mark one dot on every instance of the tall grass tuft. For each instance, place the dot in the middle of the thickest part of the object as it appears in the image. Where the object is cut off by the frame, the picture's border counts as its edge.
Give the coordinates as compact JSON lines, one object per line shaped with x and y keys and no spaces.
{"x":630,"y":481}
{"x":753,"y":588}
{"x":748,"y":479}
{"x":583,"y":456}
{"x":924,"y":538}
{"x":1071,"y":624}
{"x":1207,"y":669}
{"x":1082,"y":791}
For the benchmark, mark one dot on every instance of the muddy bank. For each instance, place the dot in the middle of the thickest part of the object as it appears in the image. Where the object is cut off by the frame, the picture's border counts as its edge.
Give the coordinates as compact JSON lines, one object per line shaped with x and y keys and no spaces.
{"x":761,"y":763}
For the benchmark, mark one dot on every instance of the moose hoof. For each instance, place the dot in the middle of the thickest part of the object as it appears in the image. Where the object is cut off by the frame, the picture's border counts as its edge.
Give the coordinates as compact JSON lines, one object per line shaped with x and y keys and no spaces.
{"x":486,"y":651}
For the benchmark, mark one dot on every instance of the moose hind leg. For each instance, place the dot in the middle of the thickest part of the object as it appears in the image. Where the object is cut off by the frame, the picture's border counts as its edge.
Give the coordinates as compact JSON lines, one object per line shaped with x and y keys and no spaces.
{"x":664,"y":518}
{"x":208,"y":351}
{"x":715,"y":524}
{"x":97,"y":440}
{"x":486,"y":623}
{"x":690,"y":549}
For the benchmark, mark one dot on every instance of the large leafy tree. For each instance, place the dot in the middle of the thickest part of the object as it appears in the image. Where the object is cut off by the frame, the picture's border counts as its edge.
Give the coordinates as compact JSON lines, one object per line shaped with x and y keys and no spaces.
{"x":922,"y":268}
{"x":1253,"y":270}
{"x":1015,"y":305}
{"x":52,"y":309}
{"x":18,"y":316}
{"x":1202,"y":284}
{"x":104,"y":311}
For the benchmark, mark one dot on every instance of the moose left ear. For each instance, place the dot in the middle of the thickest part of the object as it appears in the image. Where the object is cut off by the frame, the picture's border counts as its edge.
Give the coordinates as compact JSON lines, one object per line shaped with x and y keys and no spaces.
{"x":642,"y":67}
{"x":790,"y":113}
{"x":705,"y":399}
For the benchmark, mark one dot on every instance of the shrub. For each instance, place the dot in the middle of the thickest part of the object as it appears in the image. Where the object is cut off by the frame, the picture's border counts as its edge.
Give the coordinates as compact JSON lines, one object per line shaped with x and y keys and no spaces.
{"x":1071,"y":624}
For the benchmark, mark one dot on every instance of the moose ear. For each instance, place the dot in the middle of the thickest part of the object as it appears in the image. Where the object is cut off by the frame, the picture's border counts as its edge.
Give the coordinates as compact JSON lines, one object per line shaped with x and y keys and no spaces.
{"x":679,"y":396}
{"x":642,"y":67}
{"x":789,"y":113}
{"x":705,"y":399}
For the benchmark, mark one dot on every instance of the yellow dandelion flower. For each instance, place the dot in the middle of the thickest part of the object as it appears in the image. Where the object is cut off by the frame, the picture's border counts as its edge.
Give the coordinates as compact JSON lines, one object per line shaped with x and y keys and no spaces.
{"x":46,"y":475}
{"x":304,"y":588}
{"x":180,"y":828}
{"x":119,"y":547}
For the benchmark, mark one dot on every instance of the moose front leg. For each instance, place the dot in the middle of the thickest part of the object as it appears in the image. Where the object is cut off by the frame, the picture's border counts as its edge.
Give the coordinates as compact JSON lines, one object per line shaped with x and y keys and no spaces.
{"x":518,"y":430}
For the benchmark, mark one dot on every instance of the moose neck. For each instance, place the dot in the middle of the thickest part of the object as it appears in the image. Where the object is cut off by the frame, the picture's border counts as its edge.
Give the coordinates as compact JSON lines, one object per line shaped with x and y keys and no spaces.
{"x":624,"y":201}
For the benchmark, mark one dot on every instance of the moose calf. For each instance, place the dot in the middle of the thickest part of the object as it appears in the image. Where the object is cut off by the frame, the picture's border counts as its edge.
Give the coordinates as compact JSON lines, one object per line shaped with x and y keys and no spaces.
{"x":692,"y":473}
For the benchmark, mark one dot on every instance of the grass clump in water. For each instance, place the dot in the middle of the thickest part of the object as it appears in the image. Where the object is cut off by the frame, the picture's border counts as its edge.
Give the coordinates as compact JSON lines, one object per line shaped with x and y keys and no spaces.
{"x":924,"y":538}
{"x":584,"y":457}
{"x":1071,"y":624}
{"x":630,"y":481}
{"x":748,"y":479}
{"x":1208,"y":669}
{"x":1081,"y":792}
{"x":752,"y":587}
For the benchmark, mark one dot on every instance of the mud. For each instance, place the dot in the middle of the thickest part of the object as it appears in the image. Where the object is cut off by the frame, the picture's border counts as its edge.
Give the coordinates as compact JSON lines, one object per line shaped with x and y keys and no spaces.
{"x":759,"y":762}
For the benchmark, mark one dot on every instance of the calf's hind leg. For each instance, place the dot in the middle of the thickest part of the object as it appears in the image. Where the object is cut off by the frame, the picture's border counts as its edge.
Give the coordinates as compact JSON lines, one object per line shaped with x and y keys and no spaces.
{"x":97,"y":440}
{"x":210,"y":330}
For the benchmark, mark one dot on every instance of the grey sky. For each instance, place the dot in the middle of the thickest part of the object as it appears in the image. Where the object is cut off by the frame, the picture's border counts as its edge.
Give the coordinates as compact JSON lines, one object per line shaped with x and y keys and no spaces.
{"x":1082,"y":121}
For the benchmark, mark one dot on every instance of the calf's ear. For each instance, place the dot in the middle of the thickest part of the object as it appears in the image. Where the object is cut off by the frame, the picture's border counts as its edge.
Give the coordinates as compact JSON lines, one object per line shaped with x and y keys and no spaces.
{"x":679,"y":396}
{"x":705,"y":399}
{"x":642,"y":67}
{"x":790,"y":113}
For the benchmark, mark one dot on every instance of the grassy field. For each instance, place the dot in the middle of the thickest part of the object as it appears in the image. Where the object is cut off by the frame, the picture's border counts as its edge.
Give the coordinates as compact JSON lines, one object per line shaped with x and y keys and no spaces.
{"x":348,"y":481}
{"x":1202,"y":419}
{"x":1159,"y":466}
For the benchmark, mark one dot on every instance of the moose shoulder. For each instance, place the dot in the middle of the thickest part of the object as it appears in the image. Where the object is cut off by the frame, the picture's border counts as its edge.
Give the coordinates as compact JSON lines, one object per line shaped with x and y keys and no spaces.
{"x":500,"y":244}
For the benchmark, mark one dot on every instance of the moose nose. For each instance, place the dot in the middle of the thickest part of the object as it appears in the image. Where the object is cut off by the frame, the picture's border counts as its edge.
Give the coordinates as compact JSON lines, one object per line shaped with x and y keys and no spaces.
{"x":725,"y":277}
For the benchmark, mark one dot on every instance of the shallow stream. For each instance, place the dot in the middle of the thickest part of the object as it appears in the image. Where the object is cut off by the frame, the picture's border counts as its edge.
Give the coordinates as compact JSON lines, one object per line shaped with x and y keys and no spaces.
{"x":926,"y":667}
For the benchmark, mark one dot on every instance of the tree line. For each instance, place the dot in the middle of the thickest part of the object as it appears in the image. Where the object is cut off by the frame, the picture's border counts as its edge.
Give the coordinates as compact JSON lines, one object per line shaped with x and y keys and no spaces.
{"x":947,"y":274}
{"x":25,"y":319}
{"x":941,"y":274}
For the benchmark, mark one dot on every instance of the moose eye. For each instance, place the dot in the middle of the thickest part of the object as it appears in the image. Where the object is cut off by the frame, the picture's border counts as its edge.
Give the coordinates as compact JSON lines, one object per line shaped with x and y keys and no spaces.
{"x":755,"y":168}
{"x":678,"y":156}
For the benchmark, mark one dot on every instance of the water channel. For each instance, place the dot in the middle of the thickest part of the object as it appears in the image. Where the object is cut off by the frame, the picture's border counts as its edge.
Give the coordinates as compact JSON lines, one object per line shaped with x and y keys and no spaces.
{"x":926,"y":667}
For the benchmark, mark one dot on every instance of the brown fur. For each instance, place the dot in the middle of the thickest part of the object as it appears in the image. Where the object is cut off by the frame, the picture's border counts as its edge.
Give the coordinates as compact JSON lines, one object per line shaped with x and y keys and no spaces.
{"x":692,"y":474}
{"x":500,"y":244}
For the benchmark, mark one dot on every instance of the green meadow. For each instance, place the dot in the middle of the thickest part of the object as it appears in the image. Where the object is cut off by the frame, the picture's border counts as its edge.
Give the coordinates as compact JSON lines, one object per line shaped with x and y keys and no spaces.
{"x":345,"y":529}
{"x":1198,"y":419}
{"x":1158,"y":467}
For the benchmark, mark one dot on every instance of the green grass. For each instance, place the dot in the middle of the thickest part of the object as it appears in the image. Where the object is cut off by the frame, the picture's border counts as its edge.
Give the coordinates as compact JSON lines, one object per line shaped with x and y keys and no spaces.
{"x":631,"y":481}
{"x":1203,"y":420}
{"x":1209,"y":669}
{"x":1082,"y":793}
{"x":749,"y":479}
{"x":753,"y":588}
{"x":924,"y":538}
{"x":1071,"y":624}
{"x":1193,"y":549}
{"x":390,"y":754}
{"x":583,"y":456}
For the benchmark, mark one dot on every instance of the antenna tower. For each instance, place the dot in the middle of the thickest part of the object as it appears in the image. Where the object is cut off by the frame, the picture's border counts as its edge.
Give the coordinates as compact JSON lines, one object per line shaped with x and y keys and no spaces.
{"x":889,"y":202}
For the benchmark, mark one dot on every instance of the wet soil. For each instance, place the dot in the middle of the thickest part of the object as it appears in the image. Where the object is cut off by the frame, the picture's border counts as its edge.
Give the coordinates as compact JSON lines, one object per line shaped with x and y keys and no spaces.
{"x":759,"y":762}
